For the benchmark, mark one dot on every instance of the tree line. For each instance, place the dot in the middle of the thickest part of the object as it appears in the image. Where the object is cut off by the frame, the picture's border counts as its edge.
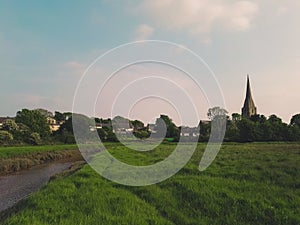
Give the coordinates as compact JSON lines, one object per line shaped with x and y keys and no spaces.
{"x":258,"y":128}
{"x":32,"y":127}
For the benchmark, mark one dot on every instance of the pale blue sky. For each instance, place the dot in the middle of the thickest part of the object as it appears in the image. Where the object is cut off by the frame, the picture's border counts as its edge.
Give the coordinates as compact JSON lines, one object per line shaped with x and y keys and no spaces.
{"x":46,"y":45}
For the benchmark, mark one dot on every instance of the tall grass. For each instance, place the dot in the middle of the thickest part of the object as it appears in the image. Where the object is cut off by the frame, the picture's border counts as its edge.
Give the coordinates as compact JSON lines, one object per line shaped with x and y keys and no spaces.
{"x":246,"y":184}
{"x":13,"y":159}
{"x":19,"y":151}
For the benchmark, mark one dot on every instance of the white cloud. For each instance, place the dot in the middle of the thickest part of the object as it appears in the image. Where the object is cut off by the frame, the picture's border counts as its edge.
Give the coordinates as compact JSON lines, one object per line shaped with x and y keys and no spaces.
{"x":71,"y":68}
{"x":240,"y":14}
{"x":143,"y":32}
{"x":200,"y":17}
{"x":75,"y":65}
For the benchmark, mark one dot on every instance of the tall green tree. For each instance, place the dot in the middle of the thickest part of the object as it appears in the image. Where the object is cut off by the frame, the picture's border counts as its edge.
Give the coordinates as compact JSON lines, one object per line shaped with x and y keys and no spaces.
{"x":278,"y":129}
{"x":137,"y":125}
{"x":35,"y":121}
{"x":295,"y":121}
{"x":46,"y":113}
{"x":294,"y":128}
{"x":232,"y":131}
{"x":247,"y":130}
{"x":204,"y":130}
{"x":218,"y":117}
{"x":216,"y":112}
{"x":59,"y":117}
{"x":236,"y":117}
{"x":172,"y":131}
{"x":65,"y":132}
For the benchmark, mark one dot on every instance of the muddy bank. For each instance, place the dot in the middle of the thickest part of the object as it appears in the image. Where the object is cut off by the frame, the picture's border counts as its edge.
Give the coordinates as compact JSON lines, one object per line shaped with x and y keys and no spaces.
{"x":19,"y":185}
{"x":15,"y":164}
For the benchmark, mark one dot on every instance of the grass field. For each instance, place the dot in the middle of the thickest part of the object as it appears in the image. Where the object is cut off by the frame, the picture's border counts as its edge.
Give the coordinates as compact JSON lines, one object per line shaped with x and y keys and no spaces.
{"x":256,"y":183}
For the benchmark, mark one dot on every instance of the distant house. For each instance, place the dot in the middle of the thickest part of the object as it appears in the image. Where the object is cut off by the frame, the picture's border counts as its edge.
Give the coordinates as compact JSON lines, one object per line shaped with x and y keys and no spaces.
{"x":151,"y":128}
{"x":53,"y":124}
{"x":123,"y":131}
{"x":122,"y":126}
{"x":1,"y":122}
{"x":107,"y":123}
{"x":189,"y":132}
{"x":205,"y":122}
{"x":3,"y":119}
{"x":96,"y":127}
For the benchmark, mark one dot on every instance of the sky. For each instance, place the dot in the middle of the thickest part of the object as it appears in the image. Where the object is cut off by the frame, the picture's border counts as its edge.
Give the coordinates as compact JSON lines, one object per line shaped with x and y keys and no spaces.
{"x":46,"y":47}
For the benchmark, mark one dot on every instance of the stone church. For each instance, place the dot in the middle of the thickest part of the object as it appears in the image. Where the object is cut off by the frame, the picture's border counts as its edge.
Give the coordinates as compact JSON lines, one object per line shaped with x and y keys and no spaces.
{"x":249,"y":108}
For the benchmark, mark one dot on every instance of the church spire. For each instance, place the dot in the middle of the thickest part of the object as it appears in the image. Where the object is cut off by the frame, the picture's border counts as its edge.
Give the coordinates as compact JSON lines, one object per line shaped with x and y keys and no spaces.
{"x":248,"y":92}
{"x":249,"y":108}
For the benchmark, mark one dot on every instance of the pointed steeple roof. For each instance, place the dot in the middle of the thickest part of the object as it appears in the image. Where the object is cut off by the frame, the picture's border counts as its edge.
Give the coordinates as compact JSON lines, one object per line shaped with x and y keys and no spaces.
{"x":248,"y":98}
{"x":249,"y":108}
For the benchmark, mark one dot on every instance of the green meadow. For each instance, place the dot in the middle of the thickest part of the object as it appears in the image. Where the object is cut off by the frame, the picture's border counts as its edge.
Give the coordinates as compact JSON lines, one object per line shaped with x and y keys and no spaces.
{"x":253,"y":183}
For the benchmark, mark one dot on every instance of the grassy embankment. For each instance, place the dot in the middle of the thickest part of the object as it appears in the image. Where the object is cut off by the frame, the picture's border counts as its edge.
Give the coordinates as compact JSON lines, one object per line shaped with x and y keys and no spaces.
{"x":255,"y":183}
{"x":13,"y":159}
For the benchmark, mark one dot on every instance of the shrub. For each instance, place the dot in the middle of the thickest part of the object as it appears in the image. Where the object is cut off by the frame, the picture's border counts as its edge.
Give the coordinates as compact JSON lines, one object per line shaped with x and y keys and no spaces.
{"x":35,"y":139}
{"x":5,"y":137}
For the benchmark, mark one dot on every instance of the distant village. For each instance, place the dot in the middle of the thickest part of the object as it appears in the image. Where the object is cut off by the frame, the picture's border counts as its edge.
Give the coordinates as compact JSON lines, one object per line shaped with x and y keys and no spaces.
{"x":40,"y":126}
{"x":125,"y":126}
{"x":121,"y":126}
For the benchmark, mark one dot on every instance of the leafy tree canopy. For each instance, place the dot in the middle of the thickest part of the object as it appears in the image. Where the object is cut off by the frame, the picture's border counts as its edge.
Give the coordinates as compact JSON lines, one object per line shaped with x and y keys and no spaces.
{"x":295,"y":121}
{"x":35,"y":121}
{"x":216,"y":112}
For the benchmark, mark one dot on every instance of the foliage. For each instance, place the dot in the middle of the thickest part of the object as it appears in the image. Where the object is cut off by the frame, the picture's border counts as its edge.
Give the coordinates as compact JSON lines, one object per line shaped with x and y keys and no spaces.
{"x":35,"y":121}
{"x":216,"y":112}
{"x":59,"y":117}
{"x":35,"y":139}
{"x":236,"y":117}
{"x":10,"y":125}
{"x":164,"y":122}
{"x":81,"y":125}
{"x":65,"y":133}
{"x":44,"y":112}
{"x":295,"y":121}
{"x":102,"y":134}
{"x":259,"y":128}
{"x":5,"y":137}
{"x":107,"y":134}
{"x":142,"y":134}
{"x":22,"y":134}
{"x":247,"y":130}
{"x":137,"y":124}
{"x":238,"y":128}
{"x":232,"y":131}
{"x":204,"y":130}
{"x":111,"y":136}
{"x":67,"y":126}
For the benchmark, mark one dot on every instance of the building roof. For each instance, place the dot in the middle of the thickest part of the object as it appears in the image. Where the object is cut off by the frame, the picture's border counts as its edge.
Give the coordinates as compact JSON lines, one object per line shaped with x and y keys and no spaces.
{"x":249,"y":106}
{"x":248,"y":100}
{"x":2,"y":119}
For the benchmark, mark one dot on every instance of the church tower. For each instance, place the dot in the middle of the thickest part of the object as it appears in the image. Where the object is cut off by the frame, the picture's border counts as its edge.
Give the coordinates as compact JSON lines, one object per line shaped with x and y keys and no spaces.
{"x":249,"y":108}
